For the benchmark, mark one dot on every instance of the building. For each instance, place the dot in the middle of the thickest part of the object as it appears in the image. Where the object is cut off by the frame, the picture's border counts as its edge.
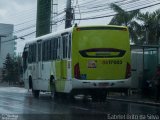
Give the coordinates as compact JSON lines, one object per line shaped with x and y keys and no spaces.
{"x":7,"y":42}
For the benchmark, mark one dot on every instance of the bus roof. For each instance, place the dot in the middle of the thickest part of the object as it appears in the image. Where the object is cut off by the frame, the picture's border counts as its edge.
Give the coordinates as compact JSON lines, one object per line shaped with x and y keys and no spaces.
{"x":116,"y":26}
{"x":47,"y":36}
{"x":67,"y":30}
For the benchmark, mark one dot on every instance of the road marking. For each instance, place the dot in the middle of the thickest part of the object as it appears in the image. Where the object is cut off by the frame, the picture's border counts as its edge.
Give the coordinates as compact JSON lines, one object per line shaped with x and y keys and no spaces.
{"x":81,"y":108}
{"x":86,"y":109}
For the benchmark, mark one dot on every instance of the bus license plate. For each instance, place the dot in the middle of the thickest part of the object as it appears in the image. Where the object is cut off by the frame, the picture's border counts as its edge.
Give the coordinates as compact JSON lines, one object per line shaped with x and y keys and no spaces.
{"x":103,"y":84}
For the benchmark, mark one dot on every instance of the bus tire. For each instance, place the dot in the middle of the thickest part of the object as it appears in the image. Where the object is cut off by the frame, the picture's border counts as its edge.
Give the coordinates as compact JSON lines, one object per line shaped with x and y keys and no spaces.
{"x":35,"y":93}
{"x":126,"y":92}
{"x":70,"y":97}
{"x":30,"y":82}
{"x":94,"y":98}
{"x":67,"y":97}
{"x":54,"y":94}
{"x":99,"y":96}
{"x":103,"y":98}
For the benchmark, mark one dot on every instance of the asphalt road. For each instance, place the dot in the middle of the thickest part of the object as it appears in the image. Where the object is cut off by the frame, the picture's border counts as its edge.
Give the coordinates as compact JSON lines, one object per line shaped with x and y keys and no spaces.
{"x":18,"y":104}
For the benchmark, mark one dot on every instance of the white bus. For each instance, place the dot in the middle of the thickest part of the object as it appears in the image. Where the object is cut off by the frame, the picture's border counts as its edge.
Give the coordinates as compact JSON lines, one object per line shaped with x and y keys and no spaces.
{"x":79,"y":60}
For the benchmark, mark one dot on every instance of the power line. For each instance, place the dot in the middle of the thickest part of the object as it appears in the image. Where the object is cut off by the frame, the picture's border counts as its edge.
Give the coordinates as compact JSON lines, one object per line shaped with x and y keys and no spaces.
{"x":33,"y":26}
{"x":22,"y":23}
{"x":22,"y":15}
{"x":24,"y":35}
{"x":87,"y":18}
{"x":103,"y":7}
{"x":110,"y":15}
{"x":19,"y":37}
{"x":93,"y":17}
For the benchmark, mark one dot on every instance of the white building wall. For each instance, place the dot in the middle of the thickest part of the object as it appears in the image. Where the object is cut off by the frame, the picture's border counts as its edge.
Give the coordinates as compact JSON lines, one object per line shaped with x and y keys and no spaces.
{"x":7,"y":42}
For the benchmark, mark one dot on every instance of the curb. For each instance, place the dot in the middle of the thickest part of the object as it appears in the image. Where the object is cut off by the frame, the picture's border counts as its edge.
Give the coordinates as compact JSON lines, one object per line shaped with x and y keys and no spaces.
{"x":132,"y":101}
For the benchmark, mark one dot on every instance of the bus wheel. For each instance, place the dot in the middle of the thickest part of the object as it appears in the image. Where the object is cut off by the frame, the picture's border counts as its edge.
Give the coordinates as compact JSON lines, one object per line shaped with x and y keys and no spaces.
{"x":35,"y":93}
{"x":103,"y":98}
{"x":30,"y":82}
{"x":54,"y":94}
{"x":126,"y":91}
{"x":69,"y":97}
{"x":94,"y":98}
{"x":99,"y":97}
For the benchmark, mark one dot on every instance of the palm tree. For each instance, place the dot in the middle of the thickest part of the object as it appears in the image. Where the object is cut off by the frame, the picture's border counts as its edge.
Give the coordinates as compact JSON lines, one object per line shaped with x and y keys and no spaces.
{"x":127,"y":19}
{"x":150,"y":26}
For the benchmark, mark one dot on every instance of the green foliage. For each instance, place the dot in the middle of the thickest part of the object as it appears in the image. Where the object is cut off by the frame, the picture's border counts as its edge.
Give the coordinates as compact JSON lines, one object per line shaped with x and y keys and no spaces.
{"x":150,"y":23}
{"x":126,"y":19}
{"x":11,"y":69}
{"x":138,"y":23}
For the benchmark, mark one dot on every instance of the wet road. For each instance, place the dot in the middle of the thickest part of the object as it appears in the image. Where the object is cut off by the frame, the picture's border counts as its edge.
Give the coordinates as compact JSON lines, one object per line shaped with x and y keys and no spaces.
{"x":18,"y":104}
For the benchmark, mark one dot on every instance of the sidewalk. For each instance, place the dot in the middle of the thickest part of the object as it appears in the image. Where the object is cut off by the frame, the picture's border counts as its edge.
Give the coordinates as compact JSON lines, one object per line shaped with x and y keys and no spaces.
{"x":134,"y":98}
{"x":5,"y":84}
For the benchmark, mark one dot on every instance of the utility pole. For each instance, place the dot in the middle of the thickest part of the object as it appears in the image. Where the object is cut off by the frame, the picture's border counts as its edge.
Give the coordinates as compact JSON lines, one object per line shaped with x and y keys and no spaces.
{"x":54,"y":15}
{"x":43,"y":25}
{"x":69,"y":15}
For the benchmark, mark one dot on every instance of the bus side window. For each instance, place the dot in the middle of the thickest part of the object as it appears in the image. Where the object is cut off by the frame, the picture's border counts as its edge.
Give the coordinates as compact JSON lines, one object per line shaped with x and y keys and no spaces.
{"x":54,"y":51}
{"x":34,"y":53}
{"x":29,"y":56}
{"x":25,"y":56}
{"x":43,"y":51}
{"x":63,"y":48}
{"x":48,"y":50}
{"x":58,"y":48}
{"x":69,"y":46}
{"x":39,"y":51}
{"x":52,"y":47}
{"x":64,"y":44}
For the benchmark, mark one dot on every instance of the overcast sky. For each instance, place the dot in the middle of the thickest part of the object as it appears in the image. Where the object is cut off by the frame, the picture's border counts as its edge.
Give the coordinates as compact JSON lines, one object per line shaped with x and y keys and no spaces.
{"x":18,"y":12}
{"x":9,"y":9}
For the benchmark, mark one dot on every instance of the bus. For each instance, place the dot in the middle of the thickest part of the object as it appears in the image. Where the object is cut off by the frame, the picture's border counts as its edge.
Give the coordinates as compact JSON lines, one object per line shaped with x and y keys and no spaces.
{"x":86,"y":60}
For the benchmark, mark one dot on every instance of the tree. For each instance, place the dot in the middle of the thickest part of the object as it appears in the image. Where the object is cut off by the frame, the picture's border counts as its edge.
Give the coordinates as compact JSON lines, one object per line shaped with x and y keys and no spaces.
{"x":150,"y":26}
{"x":7,"y":69}
{"x":127,"y":19}
{"x":11,"y":69}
